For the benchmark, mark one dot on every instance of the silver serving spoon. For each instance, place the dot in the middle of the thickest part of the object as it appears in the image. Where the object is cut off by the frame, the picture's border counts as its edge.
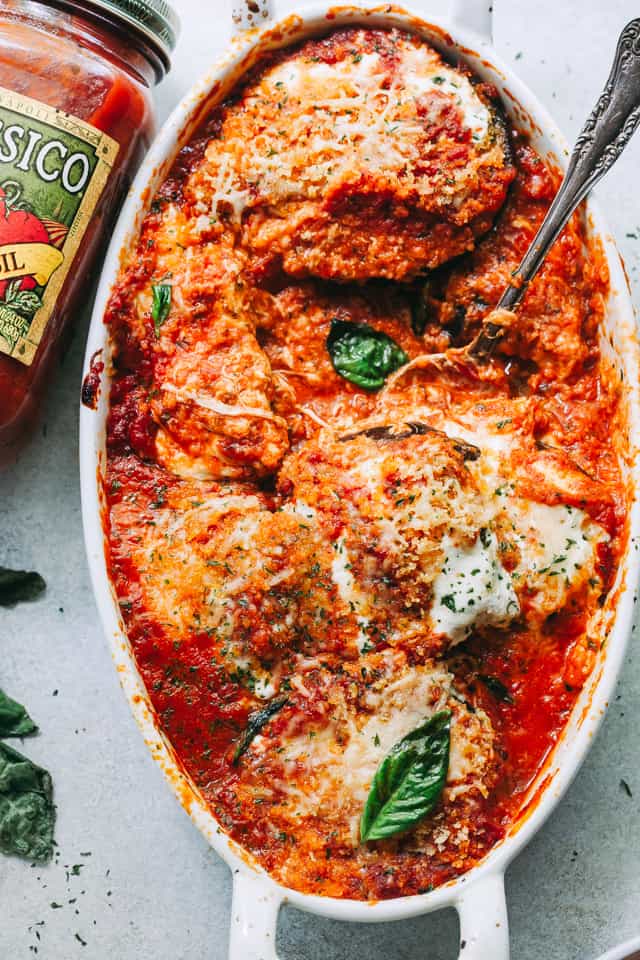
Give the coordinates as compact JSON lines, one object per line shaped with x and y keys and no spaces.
{"x":604,"y":136}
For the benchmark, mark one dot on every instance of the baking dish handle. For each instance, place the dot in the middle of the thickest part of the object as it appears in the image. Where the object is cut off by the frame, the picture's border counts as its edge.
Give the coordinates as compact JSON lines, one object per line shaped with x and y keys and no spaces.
{"x":484,"y":926}
{"x":475,"y":16}
{"x":254,"y":917}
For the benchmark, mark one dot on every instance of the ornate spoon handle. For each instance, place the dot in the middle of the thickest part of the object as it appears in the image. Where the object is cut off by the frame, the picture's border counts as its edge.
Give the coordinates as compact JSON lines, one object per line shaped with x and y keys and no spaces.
{"x":604,"y":136}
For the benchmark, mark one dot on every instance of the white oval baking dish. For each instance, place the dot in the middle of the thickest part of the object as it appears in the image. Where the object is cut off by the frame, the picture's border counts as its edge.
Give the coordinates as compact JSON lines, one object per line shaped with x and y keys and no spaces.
{"x":629,"y":950}
{"x":478,"y":896}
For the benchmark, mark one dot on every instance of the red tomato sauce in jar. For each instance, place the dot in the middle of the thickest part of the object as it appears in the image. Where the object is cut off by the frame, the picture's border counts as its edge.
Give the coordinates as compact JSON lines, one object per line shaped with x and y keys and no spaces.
{"x":76,"y":118}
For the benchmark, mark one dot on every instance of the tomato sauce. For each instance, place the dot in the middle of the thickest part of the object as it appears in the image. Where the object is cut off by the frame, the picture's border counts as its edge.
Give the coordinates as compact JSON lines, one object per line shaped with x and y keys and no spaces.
{"x":88,"y":65}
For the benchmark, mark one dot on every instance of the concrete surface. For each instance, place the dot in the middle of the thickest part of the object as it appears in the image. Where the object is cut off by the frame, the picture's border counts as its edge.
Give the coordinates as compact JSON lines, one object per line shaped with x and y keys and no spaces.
{"x":148,"y":886}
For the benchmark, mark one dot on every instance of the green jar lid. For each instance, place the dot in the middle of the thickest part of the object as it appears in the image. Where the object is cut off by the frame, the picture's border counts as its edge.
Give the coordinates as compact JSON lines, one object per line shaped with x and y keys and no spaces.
{"x":156,"y":20}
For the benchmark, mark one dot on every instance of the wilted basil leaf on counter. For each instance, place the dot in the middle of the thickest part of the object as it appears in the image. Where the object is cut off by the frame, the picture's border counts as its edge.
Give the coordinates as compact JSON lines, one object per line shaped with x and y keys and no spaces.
{"x":362,"y":355}
{"x":161,"y":304}
{"x":14,"y":719}
{"x":255,"y":723}
{"x":409,"y":781}
{"x":19,"y":585}
{"x":27,"y":811}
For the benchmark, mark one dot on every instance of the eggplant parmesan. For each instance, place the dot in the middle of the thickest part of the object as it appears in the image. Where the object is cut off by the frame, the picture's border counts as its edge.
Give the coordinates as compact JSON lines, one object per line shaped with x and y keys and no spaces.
{"x":360,"y":155}
{"x":363,"y":602}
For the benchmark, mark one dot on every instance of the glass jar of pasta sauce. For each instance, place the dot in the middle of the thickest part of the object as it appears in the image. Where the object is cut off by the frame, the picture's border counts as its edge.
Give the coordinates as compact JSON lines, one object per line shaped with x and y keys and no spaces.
{"x":76,"y":117}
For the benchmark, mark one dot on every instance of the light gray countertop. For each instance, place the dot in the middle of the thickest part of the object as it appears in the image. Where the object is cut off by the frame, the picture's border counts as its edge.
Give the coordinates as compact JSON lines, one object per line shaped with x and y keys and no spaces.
{"x":148,"y":886}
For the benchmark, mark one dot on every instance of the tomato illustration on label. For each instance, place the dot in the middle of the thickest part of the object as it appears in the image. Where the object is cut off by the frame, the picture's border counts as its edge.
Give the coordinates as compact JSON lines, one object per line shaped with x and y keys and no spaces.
{"x":18,"y":225}
{"x":29,"y":254}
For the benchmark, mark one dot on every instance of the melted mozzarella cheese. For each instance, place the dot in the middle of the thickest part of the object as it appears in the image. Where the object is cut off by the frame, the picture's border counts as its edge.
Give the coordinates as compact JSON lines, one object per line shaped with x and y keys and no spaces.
{"x":472,"y":589}
{"x":431,"y":500}
{"x":338,"y":762}
{"x":402,"y":707}
{"x":225,"y":189}
{"x":557,"y":543}
{"x":495,"y":445}
{"x":338,"y":118}
{"x":558,"y":549}
{"x":556,"y":540}
{"x":440,"y":503}
{"x":355,"y":599}
{"x":421,"y":75}
{"x":300,"y":509}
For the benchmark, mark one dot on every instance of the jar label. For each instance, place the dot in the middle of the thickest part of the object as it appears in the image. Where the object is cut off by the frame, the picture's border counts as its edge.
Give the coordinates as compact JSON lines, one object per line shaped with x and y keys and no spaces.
{"x":53,"y":169}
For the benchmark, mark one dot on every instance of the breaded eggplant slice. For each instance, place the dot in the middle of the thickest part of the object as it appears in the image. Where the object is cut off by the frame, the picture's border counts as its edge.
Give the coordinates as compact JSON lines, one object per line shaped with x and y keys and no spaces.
{"x":360,"y":155}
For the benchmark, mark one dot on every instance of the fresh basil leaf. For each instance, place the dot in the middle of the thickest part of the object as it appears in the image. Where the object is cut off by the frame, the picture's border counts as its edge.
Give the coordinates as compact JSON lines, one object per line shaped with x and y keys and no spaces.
{"x":19,"y":585}
{"x":256,"y":721}
{"x":161,"y":304}
{"x":27,"y":811}
{"x":496,"y":687}
{"x":409,"y":781}
{"x":14,"y":719}
{"x":362,"y":355}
